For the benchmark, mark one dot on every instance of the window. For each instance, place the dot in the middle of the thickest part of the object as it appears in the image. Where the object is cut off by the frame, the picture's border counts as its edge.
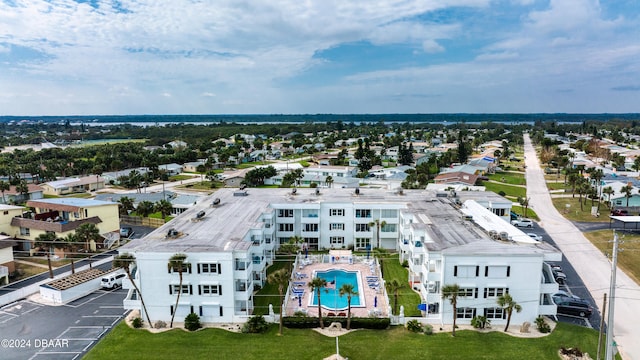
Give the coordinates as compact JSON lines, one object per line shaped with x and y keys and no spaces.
{"x":210,"y":290}
{"x":389,"y":213}
{"x":465,"y":313}
{"x":362,"y":243}
{"x":495,"y":313}
{"x":495,"y":292}
{"x":336,"y":212}
{"x":285,"y":227}
{"x":25,"y":231}
{"x":337,"y":240}
{"x":363,"y":213}
{"x":175,"y":289}
{"x":285,"y":212}
{"x":210,"y":268}
{"x":466,"y":271}
{"x":186,"y":268}
{"x":497,"y":271}
{"x":311,"y":213}
{"x":468,"y":292}
{"x":241,"y":265}
{"x":310,"y":227}
{"x":499,"y":212}
{"x":362,"y":227}
{"x":336,"y":226}
{"x":388,"y":228}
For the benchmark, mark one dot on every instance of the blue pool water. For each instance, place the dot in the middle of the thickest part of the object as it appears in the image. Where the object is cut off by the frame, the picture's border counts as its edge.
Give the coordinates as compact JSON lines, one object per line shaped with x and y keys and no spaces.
{"x":330,"y":297}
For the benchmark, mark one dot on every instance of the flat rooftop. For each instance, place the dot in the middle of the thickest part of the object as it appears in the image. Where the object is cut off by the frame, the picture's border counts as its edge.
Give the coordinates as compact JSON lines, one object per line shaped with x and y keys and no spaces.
{"x":223,"y":226}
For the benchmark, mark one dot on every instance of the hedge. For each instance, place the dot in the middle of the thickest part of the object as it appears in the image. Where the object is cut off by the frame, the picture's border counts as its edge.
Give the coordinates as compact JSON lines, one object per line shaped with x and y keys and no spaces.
{"x":308,"y":322}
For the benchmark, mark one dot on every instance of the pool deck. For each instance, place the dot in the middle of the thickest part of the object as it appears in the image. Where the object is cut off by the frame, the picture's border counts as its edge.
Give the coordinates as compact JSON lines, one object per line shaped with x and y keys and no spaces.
{"x":305,"y":274}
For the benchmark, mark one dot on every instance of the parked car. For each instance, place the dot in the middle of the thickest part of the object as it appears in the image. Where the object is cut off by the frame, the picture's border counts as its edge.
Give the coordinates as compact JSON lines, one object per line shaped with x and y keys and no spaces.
{"x":618,"y":212}
{"x":558,"y":275}
{"x":522,"y":223}
{"x":113,"y":280}
{"x":535,"y":237}
{"x":575,"y":307}
{"x":562,"y":295}
{"x":126,"y":232}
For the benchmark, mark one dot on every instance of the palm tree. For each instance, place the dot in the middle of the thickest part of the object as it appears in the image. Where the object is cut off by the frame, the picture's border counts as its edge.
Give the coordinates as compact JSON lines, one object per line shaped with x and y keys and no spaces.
{"x":126,"y":205}
{"x":164,"y":207}
{"x":347,"y":289}
{"x":317,"y":284}
{"x":394,"y":286}
{"x":47,"y":240}
{"x":144,"y":208}
{"x":281,"y":279}
{"x":125,"y":261}
{"x":451,"y":292}
{"x":626,"y":190}
{"x":69,"y":243}
{"x":329,"y":180}
{"x":23,"y":189}
{"x":4,"y":186}
{"x":609,"y":192}
{"x":506,"y":302}
{"x":176,"y":263}
{"x":87,"y":232}
{"x":378,"y":224}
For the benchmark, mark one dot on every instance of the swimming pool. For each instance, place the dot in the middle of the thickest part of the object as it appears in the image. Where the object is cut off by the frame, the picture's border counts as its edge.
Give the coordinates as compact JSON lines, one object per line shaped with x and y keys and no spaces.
{"x":330,"y":296}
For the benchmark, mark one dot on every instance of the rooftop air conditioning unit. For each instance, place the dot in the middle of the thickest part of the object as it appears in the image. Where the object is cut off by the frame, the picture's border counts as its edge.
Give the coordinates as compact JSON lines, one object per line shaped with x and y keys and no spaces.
{"x":200,"y":214}
{"x":173,"y":233}
{"x":216,"y":201}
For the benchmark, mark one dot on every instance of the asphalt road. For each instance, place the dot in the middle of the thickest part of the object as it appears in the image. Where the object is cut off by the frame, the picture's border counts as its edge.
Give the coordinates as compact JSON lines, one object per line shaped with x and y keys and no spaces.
{"x":30,"y":330}
{"x":588,"y":262}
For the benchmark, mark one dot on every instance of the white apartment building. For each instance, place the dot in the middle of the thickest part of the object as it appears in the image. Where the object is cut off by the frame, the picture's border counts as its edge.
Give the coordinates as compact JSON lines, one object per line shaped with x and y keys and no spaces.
{"x":230,"y":238}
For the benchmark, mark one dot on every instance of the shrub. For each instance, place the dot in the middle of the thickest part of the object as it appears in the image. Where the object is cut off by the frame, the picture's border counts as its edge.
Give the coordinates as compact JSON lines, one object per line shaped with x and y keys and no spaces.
{"x":160,"y":324}
{"x":480,"y":322}
{"x":502,"y":193}
{"x":192,"y":322}
{"x":405,"y":263}
{"x":255,"y":324}
{"x":414,"y":326}
{"x":542,"y":325}
{"x":300,"y":314}
{"x":428,"y":329}
{"x":136,"y":323}
{"x":310,"y":321}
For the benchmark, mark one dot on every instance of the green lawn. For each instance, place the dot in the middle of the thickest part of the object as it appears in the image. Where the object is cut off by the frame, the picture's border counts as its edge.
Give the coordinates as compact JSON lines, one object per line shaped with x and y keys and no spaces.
{"x":392,"y":269}
{"x":269,"y":293}
{"x":396,"y":343}
{"x":552,"y":185}
{"x":510,"y":191}
{"x":508,"y":178}
{"x":629,"y":259}
{"x":574,"y":213}
{"x":520,"y":211}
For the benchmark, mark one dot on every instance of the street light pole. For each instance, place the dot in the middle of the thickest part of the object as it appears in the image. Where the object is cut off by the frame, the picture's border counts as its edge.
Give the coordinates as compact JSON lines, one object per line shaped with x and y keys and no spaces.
{"x":612,"y":298}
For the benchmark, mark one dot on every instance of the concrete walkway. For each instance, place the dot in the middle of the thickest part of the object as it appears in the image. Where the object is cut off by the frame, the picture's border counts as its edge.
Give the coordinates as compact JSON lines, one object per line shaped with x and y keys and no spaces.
{"x":591,"y":265}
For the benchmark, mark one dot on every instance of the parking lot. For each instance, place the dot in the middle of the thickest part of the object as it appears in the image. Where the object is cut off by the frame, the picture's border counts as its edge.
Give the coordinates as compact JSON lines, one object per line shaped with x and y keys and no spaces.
{"x":33,"y":330}
{"x":573,"y":285}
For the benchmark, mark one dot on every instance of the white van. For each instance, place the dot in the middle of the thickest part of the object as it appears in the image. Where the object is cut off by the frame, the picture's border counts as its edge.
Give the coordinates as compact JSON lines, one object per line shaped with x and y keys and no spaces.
{"x":112,"y":280}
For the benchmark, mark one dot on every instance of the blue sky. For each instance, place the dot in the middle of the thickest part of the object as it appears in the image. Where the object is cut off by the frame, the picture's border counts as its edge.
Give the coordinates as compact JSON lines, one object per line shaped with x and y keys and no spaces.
{"x":66,"y":57}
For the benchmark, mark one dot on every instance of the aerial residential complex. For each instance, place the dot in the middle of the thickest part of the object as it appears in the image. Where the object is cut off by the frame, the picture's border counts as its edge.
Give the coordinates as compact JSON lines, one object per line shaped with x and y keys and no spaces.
{"x":447,"y":238}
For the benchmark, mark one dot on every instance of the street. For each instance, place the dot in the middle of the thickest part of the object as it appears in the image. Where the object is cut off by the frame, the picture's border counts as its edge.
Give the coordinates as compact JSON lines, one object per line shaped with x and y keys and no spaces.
{"x":589,"y":263}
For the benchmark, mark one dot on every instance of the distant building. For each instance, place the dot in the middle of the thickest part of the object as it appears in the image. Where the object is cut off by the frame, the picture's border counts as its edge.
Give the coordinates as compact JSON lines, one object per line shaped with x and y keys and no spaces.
{"x":63,"y":216}
{"x":73,"y":185}
{"x":12,"y":196}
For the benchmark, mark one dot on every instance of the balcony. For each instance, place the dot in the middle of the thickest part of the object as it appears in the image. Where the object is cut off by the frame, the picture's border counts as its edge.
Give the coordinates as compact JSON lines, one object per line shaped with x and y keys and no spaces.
{"x":132,"y":301}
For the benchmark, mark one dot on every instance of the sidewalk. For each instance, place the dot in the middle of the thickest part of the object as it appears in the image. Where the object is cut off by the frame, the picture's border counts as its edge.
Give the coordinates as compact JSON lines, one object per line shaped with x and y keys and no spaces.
{"x":591,"y":265}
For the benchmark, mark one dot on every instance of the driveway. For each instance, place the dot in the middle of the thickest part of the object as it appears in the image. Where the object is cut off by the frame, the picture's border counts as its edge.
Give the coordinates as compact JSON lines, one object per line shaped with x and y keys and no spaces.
{"x":589,"y":263}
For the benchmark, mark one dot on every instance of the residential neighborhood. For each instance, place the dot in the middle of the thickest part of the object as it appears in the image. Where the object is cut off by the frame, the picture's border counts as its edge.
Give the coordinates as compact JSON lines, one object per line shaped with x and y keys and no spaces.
{"x":447,"y":208}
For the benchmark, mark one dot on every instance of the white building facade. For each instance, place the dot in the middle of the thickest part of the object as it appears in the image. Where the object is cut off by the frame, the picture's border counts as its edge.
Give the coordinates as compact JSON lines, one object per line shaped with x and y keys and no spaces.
{"x":230,"y":239}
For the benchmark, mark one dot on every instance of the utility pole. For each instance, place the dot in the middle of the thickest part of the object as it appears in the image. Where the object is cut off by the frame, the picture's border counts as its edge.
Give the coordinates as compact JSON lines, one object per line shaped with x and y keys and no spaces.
{"x":612,"y":297}
{"x":604,"y":310}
